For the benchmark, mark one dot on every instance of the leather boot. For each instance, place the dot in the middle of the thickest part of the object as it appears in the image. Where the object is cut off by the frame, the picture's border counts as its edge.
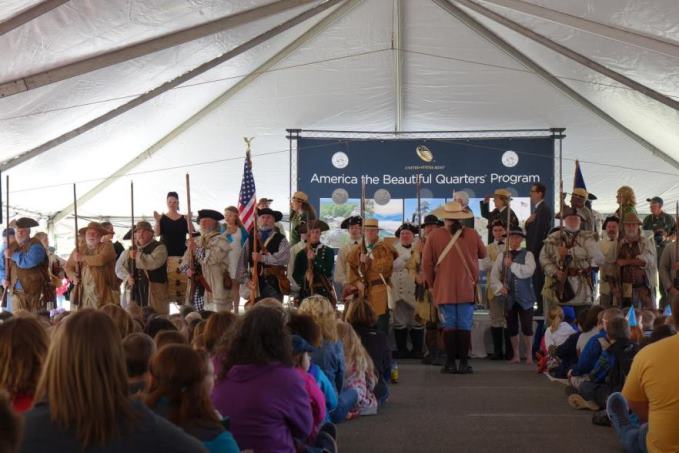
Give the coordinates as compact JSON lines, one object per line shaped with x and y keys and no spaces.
{"x":417,"y":340}
{"x":464,"y":341}
{"x":450,"y":341}
{"x":401,"y":337}
{"x":498,"y":343}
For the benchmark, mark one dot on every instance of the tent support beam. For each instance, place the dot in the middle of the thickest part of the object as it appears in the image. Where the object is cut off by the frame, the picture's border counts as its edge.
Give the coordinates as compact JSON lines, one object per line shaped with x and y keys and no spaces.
{"x":510,"y":50}
{"x":23,"y":157}
{"x":633,"y":38}
{"x":568,"y":53}
{"x":397,"y":45}
{"x":314,"y":31}
{"x":146,"y":47}
{"x":27,"y":15}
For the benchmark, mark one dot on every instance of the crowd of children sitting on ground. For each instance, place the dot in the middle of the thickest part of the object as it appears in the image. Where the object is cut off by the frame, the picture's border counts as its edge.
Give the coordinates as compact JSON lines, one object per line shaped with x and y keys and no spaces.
{"x":272,"y":380}
{"x":615,"y":364}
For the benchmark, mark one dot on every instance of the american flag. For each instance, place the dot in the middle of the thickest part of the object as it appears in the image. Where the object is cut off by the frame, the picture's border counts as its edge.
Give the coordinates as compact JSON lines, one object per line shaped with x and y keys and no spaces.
{"x":247,"y":199}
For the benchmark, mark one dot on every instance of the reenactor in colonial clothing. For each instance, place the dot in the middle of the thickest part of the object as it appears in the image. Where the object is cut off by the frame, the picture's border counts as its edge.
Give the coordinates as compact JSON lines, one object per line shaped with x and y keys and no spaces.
{"x":567,"y":257}
{"x":663,"y":227}
{"x":7,"y":237}
{"x":403,"y":285}
{"x":314,"y":264}
{"x":635,"y":266}
{"x":608,"y":246}
{"x":300,"y":212}
{"x":425,"y":309}
{"x":353,"y":226}
{"x":451,"y":267}
{"x":370,"y":271}
{"x":210,"y":278}
{"x":270,"y":257}
{"x":92,"y":269}
{"x":501,"y":199}
{"x":294,"y":250}
{"x":668,"y":271}
{"x":496,"y":308}
{"x":143,"y":269}
{"x":578,"y":201}
{"x":29,"y":280}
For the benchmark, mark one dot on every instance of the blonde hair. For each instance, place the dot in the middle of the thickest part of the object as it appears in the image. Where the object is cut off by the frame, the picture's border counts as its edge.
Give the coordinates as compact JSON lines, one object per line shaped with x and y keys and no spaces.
{"x":555,"y":317}
{"x":84,"y":379}
{"x":355,"y":355}
{"x":323,"y":313}
{"x":627,"y":197}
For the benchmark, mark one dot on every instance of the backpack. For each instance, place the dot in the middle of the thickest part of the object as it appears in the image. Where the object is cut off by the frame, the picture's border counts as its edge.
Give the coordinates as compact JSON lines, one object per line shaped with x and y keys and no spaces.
{"x":624,"y":355}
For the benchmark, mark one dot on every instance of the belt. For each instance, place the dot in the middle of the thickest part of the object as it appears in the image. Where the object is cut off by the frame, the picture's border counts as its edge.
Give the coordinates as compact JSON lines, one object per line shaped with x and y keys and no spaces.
{"x":376,"y":282}
{"x":575,"y":272}
{"x":272,"y":271}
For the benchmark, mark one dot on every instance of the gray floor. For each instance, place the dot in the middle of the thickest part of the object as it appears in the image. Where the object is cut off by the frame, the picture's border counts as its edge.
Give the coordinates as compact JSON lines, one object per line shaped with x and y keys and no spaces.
{"x":501,"y":408}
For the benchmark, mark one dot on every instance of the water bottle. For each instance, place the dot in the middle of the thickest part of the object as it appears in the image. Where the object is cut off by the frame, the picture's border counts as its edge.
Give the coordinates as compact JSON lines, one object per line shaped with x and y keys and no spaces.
{"x":394,"y":373}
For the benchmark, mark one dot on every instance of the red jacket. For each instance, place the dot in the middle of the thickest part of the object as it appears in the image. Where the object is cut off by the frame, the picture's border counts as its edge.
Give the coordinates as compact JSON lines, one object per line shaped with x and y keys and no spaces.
{"x":450,"y":282}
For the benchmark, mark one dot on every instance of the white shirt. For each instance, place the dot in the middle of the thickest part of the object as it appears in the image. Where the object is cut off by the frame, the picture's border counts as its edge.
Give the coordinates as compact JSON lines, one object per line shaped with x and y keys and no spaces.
{"x":558,"y":337}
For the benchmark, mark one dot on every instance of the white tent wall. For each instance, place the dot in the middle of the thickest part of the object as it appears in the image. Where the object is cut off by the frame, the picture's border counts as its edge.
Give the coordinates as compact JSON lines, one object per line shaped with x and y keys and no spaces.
{"x":343,"y":79}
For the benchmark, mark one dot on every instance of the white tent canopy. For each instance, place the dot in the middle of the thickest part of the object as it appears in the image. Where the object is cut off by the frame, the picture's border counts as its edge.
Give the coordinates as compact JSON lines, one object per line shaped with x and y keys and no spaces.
{"x":373,"y":65}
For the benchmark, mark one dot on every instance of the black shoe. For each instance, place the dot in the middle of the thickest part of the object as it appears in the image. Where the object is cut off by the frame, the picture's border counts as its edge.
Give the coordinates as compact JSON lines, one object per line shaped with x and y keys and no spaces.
{"x":465,"y":369}
{"x":449,"y":368}
{"x":600,"y":418}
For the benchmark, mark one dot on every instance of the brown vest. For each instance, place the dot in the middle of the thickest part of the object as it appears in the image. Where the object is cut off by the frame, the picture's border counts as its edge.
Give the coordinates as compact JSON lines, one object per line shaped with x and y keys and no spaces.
{"x":33,"y":280}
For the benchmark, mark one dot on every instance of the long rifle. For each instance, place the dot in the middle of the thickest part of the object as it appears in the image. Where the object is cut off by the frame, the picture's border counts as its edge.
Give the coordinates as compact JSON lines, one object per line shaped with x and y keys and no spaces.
{"x":420,"y":289}
{"x":362,"y":267}
{"x":505,"y":269}
{"x":197,"y":279}
{"x":76,"y":294}
{"x":134,"y":290}
{"x":676,"y":243}
{"x":8,"y":262}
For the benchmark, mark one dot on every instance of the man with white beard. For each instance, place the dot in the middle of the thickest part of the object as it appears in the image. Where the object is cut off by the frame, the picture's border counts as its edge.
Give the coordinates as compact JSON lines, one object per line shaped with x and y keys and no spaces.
{"x":211,"y":260}
{"x":147,"y":285}
{"x":567,"y":257}
{"x":635,"y":266}
{"x":96,"y":262}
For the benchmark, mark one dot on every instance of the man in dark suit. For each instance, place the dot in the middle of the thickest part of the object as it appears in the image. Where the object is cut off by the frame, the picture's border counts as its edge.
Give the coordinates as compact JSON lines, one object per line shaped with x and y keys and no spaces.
{"x":537,"y":227}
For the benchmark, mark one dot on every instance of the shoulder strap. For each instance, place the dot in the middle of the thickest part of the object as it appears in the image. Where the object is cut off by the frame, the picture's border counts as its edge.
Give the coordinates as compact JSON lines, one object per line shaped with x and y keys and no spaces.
{"x":464,"y":263}
{"x":450,"y":245}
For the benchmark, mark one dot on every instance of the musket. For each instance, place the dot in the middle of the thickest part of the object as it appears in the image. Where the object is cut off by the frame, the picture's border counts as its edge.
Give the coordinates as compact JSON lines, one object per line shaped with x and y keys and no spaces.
{"x":254,"y":293}
{"x":563,"y":265}
{"x":134,"y":288}
{"x":76,"y":294}
{"x":505,"y":269}
{"x":197,"y":278}
{"x":420,"y":288}
{"x":676,"y":243}
{"x":8,"y":262}
{"x":363,"y":268}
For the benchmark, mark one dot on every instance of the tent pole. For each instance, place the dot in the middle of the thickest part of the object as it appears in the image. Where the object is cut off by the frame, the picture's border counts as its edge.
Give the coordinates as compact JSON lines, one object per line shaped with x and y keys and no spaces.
{"x":23,"y":157}
{"x":571,"y":54}
{"x":27,"y":15}
{"x":140,"y":49}
{"x":633,"y":38}
{"x":397,"y":46}
{"x":314,"y":31}
{"x":510,"y":50}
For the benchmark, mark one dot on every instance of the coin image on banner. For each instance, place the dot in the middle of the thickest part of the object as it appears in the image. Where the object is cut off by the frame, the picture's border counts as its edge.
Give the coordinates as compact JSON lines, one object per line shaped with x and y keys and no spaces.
{"x":382,"y":197}
{"x":340,"y":160}
{"x":340,"y":196}
{"x":510,"y":159}
{"x":424,"y":153}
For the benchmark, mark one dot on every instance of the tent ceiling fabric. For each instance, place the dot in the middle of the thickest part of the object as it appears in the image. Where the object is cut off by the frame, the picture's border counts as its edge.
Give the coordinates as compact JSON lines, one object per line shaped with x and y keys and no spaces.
{"x":342,"y":79}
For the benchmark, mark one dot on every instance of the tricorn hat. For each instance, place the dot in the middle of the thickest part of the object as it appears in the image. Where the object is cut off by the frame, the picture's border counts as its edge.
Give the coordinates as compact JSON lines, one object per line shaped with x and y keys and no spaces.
{"x":26,"y":222}
{"x":516,"y":231}
{"x":431,"y":219}
{"x":277,"y":215}
{"x":407,"y":226}
{"x":95,"y":226}
{"x":453,"y":210}
{"x":353,"y":220}
{"x":210,"y":214}
{"x":317,"y":225}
